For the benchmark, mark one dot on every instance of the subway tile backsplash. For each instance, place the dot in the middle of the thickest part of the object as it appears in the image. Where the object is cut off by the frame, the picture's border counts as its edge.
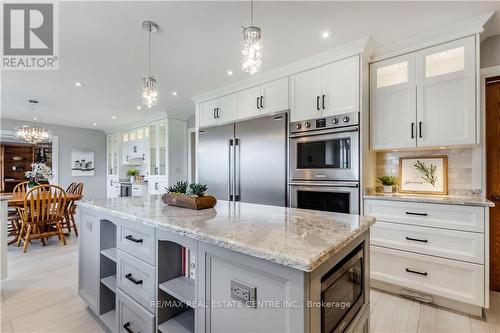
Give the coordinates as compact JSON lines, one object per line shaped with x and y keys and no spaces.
{"x":460,"y":167}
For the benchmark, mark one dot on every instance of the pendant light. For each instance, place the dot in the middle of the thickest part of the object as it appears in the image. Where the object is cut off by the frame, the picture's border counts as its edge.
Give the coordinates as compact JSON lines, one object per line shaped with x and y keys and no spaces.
{"x":30,"y":133}
{"x":150,"y":87}
{"x":252,"y":47}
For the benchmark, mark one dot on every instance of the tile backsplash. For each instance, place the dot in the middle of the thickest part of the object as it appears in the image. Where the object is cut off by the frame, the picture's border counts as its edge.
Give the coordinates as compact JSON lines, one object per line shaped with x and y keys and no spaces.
{"x":460,"y":167}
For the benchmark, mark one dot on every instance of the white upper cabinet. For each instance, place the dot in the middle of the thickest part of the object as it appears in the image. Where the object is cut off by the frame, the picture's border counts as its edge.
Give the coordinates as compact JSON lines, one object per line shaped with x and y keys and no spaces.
{"x":426,"y":98}
{"x":446,"y":94}
{"x":267,"y":98}
{"x":218,"y":110}
{"x":113,"y":151}
{"x":134,"y":146}
{"x":305,"y":95}
{"x":158,"y":141}
{"x":340,"y":85}
{"x":326,"y":91}
{"x":392,"y":103}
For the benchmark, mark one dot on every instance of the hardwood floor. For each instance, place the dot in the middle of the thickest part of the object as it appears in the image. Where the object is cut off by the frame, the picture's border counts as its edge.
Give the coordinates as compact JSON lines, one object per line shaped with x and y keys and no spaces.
{"x":41,"y":295}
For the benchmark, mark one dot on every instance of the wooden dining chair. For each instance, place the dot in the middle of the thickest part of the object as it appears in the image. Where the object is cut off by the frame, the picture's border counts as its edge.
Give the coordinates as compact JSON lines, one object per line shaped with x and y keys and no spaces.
{"x":70,"y":211}
{"x":42,"y":214}
{"x":13,"y":216}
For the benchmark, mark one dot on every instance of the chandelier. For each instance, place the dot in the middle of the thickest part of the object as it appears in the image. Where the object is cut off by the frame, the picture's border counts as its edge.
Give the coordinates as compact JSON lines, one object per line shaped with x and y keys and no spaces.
{"x":30,"y":133}
{"x":150,"y":87}
{"x":252,"y":47}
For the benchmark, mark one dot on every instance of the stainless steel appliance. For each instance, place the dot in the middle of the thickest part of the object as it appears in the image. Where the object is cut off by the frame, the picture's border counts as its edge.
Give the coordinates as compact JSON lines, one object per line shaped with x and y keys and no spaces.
{"x":342,"y":292}
{"x":125,"y":189}
{"x":325,"y":149}
{"x":245,"y":161}
{"x":324,"y":164}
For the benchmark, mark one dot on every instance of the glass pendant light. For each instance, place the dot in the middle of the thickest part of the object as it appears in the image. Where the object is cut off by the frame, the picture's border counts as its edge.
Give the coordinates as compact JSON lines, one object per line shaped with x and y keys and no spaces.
{"x":30,"y":133}
{"x":252,"y":47}
{"x":150,"y":88}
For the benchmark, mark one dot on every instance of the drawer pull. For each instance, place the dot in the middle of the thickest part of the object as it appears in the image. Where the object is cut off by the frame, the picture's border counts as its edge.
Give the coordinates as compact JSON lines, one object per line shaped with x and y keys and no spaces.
{"x":418,"y":214}
{"x":131,"y":278}
{"x":416,"y":240}
{"x":126,"y":327}
{"x":416,"y":272}
{"x":132,"y":239}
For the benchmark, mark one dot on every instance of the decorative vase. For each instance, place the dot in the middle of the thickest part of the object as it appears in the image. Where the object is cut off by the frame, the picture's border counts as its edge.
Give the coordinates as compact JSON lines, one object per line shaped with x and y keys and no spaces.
{"x":387,"y":188}
{"x":191,"y":202}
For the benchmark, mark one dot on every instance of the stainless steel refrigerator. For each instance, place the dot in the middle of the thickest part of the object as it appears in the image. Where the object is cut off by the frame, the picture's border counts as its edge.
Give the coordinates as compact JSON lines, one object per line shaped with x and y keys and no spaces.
{"x":245,"y":161}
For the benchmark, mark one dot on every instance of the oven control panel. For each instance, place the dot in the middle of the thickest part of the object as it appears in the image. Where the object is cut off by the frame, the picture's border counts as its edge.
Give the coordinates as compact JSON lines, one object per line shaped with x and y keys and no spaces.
{"x":342,"y":120}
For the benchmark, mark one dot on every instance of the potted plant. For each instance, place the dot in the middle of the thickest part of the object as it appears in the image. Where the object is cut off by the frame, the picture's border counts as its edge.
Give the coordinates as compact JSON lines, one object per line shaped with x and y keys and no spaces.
{"x":40,"y":173}
{"x":132,"y":173}
{"x":186,"y":195}
{"x":388,"y":182}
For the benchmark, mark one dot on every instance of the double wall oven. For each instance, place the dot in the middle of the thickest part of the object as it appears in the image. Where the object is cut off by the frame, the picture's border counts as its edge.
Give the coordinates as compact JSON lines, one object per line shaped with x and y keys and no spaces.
{"x":324,"y":164}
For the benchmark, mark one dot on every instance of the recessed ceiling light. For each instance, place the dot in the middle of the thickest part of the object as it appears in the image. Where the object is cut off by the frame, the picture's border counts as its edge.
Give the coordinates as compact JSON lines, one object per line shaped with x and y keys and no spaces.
{"x":229,"y":72}
{"x":113,"y":117}
{"x":78,"y":84}
{"x":395,"y":150}
{"x":35,"y":118}
{"x":325,"y":34}
{"x":443,"y":147}
{"x":139,"y":107}
{"x":174,"y":93}
{"x":95,"y":124}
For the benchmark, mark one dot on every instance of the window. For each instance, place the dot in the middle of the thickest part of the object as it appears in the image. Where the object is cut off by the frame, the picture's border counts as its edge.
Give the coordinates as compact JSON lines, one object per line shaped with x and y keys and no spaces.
{"x":445,"y":62}
{"x":125,"y":137}
{"x":392,"y":74}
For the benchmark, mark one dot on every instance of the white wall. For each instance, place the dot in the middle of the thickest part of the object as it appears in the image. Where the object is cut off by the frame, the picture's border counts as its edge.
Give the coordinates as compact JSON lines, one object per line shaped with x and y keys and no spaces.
{"x":76,"y":138}
{"x":490,"y":51}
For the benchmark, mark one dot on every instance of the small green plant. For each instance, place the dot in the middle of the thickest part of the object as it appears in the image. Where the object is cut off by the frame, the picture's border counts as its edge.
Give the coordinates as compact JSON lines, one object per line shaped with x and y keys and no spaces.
{"x":179,"y":187}
{"x":132,"y":172}
{"x":387,"y":180}
{"x":428,"y":173}
{"x":197,"y":189}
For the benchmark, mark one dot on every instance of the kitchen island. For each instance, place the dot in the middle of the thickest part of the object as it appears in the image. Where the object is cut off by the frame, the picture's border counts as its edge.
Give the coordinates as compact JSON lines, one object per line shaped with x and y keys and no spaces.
{"x":252,"y":268}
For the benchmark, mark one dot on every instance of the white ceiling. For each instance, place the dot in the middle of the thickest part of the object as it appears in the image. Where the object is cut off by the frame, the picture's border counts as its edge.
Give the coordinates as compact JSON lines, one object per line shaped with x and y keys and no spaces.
{"x":103,"y":46}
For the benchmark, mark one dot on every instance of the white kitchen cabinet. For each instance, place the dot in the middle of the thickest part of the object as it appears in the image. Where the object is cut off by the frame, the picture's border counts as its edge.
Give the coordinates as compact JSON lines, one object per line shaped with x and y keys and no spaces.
{"x":88,"y":273}
{"x":340,"y":85}
{"x":446,"y":94}
{"x":157,"y":185}
{"x":113,"y":186}
{"x":329,"y":90}
{"x":134,"y":146}
{"x":113,"y":153}
{"x":425,"y":99}
{"x":138,"y":190}
{"x":249,"y":102}
{"x":392,"y":103}
{"x":218,"y":110}
{"x":266,"y":98}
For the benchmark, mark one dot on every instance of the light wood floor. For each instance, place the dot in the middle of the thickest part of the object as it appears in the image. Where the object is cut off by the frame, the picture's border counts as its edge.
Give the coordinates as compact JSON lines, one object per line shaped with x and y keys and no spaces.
{"x":41,"y":295}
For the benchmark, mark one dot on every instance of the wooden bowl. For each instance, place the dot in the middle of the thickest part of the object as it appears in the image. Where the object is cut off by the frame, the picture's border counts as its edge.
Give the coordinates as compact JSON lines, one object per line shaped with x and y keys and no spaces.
{"x":190,"y":202}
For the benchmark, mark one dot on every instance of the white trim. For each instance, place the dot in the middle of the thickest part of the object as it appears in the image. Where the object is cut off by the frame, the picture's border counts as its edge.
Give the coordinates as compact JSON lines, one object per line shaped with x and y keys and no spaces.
{"x":458,"y":30}
{"x":191,"y":177}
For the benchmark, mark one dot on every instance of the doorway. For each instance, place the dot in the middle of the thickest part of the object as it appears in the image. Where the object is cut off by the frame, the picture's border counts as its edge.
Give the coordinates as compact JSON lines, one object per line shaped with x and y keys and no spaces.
{"x":492,"y":121}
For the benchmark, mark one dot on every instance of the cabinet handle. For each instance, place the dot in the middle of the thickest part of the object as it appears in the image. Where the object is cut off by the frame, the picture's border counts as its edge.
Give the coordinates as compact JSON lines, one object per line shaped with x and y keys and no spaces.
{"x":416,"y":272}
{"x":214,"y":113}
{"x":218,"y":113}
{"x":261,"y":102}
{"x":413,"y":130}
{"x":131,"y":279}
{"x":156,"y":186}
{"x":416,"y":239}
{"x":156,"y":170}
{"x":317,"y":103}
{"x":126,"y":327}
{"x":127,"y":158}
{"x":258,"y":103}
{"x":135,"y":149}
{"x":132,"y":239}
{"x":418,"y":214}
{"x":420,"y":129}
{"x":323,"y":101}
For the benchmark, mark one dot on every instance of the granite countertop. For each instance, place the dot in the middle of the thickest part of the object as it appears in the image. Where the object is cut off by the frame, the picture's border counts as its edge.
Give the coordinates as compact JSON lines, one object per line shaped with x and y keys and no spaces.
{"x":439,"y":199}
{"x":298,"y":238}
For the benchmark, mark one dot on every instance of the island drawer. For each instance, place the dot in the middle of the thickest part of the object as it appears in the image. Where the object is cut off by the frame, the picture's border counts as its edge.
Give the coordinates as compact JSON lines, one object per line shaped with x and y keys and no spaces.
{"x":138,"y":240}
{"x":132,"y":317}
{"x":137,"y":279}
{"x":452,"y":244}
{"x":452,"y":279}
{"x":456,"y":217}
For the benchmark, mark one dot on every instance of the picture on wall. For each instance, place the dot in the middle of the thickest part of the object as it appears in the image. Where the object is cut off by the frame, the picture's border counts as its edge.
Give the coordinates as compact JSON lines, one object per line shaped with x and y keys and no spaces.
{"x":82,"y":162}
{"x":423,"y":174}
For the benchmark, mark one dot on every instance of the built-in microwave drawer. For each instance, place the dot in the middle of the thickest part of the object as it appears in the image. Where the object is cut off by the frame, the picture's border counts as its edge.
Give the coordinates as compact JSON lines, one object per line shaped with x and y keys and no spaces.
{"x":137,"y":279}
{"x":138,"y":240}
{"x":452,"y":244}
{"x":467,"y":218}
{"x":452,"y":279}
{"x":132,"y":317}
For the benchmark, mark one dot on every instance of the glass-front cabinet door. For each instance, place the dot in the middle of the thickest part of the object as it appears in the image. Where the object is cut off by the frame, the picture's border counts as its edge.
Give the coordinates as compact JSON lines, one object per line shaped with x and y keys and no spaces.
{"x":158,"y":142}
{"x":112,"y":150}
{"x":153,"y":150}
{"x":162,"y":148}
{"x":109,"y":151}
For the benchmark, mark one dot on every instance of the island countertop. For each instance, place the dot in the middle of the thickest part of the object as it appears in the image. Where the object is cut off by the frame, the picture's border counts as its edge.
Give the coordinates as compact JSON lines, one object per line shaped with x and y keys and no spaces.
{"x":298,"y":238}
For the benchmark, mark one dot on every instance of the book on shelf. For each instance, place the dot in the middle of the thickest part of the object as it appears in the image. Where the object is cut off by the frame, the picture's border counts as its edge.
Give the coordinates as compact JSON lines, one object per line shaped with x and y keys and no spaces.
{"x":188,"y":259}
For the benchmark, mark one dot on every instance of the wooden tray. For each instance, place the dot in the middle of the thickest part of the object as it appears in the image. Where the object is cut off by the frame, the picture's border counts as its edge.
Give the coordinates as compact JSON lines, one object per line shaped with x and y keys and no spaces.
{"x":185,"y":201}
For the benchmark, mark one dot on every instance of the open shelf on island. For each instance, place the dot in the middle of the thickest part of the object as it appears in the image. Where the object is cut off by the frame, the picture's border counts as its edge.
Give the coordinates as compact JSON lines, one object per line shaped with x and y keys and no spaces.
{"x":182,"y":323}
{"x":180,"y":287}
{"x":110,"y":253}
{"x":110,"y":282}
{"x":109,"y":319}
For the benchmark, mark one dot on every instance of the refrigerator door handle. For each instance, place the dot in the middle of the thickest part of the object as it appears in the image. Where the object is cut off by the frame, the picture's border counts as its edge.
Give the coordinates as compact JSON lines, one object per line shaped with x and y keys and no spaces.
{"x":230,"y":171}
{"x":237,"y":170}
